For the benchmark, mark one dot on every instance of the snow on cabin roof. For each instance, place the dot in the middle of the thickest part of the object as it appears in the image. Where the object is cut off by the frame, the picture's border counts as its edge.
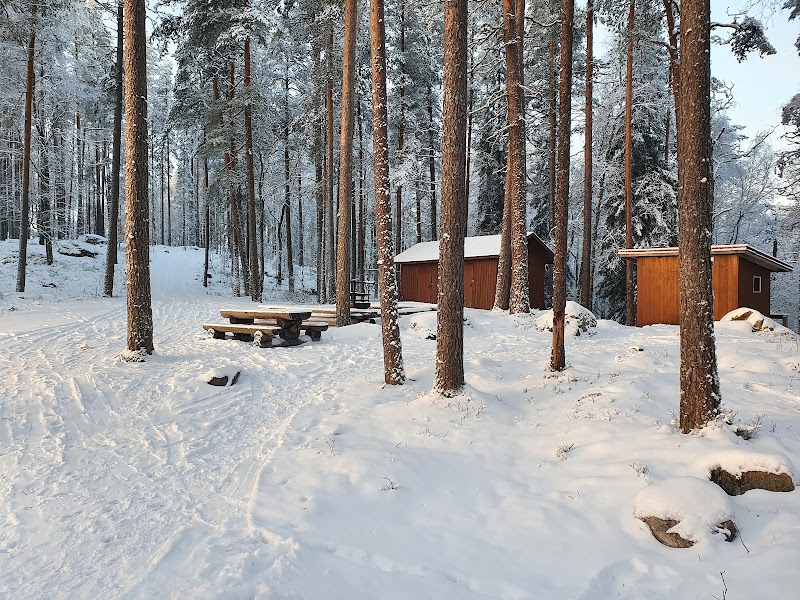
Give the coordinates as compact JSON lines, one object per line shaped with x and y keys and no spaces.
{"x":752,"y":254}
{"x":474,"y":247}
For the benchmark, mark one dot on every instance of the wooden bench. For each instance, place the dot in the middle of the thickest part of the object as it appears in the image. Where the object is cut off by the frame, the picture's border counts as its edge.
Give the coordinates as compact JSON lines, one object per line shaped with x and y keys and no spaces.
{"x":260,"y":335}
{"x":312,"y":329}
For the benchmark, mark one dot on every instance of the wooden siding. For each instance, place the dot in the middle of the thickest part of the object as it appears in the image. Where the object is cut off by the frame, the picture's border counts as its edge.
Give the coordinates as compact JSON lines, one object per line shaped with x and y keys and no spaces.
{"x":480,"y":282}
{"x":418,"y":282}
{"x":732,"y":281}
{"x":657,"y":291}
{"x":748,"y":270}
{"x":724,"y":274}
{"x":536,"y":267}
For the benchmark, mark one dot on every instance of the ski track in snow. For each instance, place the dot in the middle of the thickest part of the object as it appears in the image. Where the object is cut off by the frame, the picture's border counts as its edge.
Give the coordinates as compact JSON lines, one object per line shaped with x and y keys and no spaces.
{"x":149,"y":477}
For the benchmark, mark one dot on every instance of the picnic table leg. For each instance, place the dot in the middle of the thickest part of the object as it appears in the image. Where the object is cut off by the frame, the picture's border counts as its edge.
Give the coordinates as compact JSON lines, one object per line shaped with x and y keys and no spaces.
{"x":290,"y":330}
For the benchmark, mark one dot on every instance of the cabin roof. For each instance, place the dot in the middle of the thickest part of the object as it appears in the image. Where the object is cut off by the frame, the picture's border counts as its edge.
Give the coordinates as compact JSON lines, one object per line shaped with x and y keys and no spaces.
{"x":754,"y":255}
{"x":482,"y":246}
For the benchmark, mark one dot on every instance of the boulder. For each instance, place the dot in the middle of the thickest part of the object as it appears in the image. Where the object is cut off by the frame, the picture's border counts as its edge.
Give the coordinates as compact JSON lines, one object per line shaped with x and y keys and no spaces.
{"x":660,"y":530}
{"x":751,"y":480}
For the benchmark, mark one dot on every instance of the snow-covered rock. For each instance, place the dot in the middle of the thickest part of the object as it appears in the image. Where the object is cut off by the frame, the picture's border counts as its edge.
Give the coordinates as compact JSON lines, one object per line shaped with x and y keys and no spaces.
{"x":756,"y":320}
{"x":693,"y":509}
{"x":577,"y":319}
{"x":738,"y":470}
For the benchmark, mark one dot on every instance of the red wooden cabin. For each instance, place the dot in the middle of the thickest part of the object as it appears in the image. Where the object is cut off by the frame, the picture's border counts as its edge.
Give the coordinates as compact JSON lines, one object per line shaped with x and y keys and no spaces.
{"x":419,"y":271}
{"x":740,"y":277}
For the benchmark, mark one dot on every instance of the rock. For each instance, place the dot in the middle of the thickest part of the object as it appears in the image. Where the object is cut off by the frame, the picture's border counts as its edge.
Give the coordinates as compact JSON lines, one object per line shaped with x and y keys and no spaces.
{"x":660,"y":530}
{"x":68,"y":248}
{"x":223,"y":380}
{"x":754,"y":318}
{"x":751,"y":480}
{"x":577,"y":319}
{"x":93,"y":239}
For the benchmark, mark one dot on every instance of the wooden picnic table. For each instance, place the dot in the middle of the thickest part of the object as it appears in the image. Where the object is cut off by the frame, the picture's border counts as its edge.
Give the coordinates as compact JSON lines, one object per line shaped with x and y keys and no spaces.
{"x":290,"y":322}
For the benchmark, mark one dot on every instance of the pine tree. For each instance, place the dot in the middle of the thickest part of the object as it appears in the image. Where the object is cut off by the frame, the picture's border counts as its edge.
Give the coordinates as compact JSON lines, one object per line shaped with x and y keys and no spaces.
{"x":449,"y":374}
{"x":392,"y":350}
{"x":699,"y":379}
{"x":137,"y":269}
{"x":557,"y":357}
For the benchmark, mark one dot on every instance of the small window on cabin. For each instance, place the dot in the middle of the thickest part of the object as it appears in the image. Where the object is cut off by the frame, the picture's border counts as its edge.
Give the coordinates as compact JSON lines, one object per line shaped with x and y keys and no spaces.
{"x":757,"y":284}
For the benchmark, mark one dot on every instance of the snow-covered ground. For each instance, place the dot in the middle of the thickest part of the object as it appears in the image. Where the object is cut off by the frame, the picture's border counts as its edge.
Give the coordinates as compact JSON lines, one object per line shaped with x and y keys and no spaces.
{"x":311,"y":479}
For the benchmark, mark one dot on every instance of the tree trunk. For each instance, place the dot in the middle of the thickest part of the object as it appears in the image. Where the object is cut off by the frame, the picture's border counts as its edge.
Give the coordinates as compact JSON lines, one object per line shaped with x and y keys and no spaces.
{"x":449,"y":376}
{"x":113,"y":211}
{"x":630,"y":308}
{"x":394,"y":374}
{"x":24,"y":229}
{"x":361,"y":247}
{"x":557,"y":358}
{"x":519,"y":298}
{"x":398,"y":240}
{"x":552,"y":113}
{"x":287,"y":188}
{"x":330,"y":261}
{"x":236,"y":220}
{"x":587,"y":285}
{"x":699,"y":379}
{"x":137,"y":255}
{"x":208,"y":219}
{"x":169,"y":194}
{"x":432,"y":166}
{"x":300,"y":229}
{"x":346,"y":165}
{"x":252,"y":240}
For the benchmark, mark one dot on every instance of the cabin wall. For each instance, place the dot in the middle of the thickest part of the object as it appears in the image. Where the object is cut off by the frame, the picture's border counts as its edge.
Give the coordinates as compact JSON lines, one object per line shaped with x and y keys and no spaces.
{"x":418,"y":282}
{"x":724,"y":278}
{"x":480,"y":282}
{"x":657,"y":290}
{"x":760,"y":302}
{"x":732,"y":281}
{"x":536,"y":267}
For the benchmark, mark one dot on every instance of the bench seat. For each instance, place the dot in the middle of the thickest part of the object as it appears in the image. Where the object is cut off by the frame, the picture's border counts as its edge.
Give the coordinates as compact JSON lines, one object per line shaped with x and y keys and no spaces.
{"x":260,"y":335}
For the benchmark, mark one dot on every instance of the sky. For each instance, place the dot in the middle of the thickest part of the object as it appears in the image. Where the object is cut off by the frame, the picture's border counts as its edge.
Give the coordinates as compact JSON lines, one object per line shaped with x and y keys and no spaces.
{"x":761,"y":86}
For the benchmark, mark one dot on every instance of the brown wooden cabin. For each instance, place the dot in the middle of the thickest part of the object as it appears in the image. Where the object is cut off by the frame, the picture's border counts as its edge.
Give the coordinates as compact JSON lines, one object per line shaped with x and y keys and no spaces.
{"x":419,"y":271}
{"x":740,"y":277}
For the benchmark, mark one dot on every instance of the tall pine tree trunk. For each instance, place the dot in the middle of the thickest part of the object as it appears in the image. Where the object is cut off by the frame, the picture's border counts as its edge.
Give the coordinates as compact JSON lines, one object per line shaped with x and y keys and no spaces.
{"x":24,"y":229}
{"x":586,"y":251}
{"x":252,"y":240}
{"x":394,"y":373}
{"x":630,"y":308}
{"x":699,"y":379}
{"x":519,"y":298}
{"x":398,"y":240}
{"x":449,"y":375}
{"x":137,"y":255}
{"x":552,"y":81}
{"x":330,"y":261}
{"x":557,"y":358}
{"x":346,"y":165}
{"x":432,"y":166}
{"x":287,"y":190}
{"x":113,"y":211}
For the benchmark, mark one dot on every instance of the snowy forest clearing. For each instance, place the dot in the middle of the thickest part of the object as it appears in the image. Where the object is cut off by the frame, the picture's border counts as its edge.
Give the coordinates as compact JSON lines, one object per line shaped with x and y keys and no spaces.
{"x":309,"y":478}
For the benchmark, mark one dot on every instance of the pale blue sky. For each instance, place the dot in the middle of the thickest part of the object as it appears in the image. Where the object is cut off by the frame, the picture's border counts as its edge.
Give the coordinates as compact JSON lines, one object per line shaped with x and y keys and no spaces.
{"x":760,"y":85}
